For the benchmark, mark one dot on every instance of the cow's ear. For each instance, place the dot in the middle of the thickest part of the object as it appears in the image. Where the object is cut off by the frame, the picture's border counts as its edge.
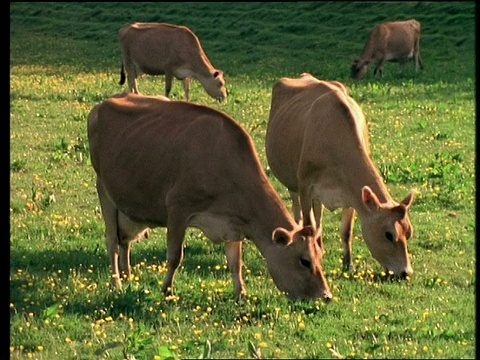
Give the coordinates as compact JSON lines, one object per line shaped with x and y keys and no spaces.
{"x":281,"y":236}
{"x":408,"y":200}
{"x":369,"y":198}
{"x":399,"y":211}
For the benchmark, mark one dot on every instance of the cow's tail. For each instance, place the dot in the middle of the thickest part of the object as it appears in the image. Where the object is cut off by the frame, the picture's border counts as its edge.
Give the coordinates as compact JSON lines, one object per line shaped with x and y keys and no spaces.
{"x":122,"y":74}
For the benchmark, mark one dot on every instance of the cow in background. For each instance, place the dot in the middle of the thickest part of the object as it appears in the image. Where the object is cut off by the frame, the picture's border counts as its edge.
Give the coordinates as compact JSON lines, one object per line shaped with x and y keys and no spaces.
{"x":175,"y":51}
{"x":396,"y":41}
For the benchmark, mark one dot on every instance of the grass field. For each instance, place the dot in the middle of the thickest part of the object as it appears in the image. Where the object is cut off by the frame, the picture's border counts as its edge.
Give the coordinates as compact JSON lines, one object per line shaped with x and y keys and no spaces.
{"x":64,"y":59}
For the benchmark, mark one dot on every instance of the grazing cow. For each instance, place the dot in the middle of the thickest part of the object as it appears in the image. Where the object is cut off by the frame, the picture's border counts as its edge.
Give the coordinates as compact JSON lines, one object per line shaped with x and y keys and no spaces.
{"x":176,"y":164}
{"x":317,"y":145}
{"x":160,"y":48}
{"x":396,"y":41}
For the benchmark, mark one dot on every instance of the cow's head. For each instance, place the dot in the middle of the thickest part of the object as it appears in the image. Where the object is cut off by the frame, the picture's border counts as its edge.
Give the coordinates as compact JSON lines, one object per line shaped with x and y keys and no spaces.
{"x":294,"y":263}
{"x":215,"y":86}
{"x":386,"y":230}
{"x":358,"y":69}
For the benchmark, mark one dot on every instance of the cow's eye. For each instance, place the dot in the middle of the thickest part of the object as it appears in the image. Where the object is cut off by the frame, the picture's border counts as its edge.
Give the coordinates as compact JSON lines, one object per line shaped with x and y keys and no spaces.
{"x":305,"y":263}
{"x":389,"y":236}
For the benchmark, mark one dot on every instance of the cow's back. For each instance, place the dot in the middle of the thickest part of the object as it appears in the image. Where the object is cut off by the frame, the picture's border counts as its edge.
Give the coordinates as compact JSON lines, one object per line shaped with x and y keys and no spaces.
{"x":189,"y":144}
{"x":398,"y":38}
{"x":309,"y":121}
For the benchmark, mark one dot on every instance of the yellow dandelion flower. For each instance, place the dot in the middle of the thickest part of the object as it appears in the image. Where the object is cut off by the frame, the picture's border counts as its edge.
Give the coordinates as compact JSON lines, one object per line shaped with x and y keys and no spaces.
{"x":40,"y":348}
{"x":328,"y":345}
{"x":262,"y":344}
{"x":68,"y":340}
{"x":257,"y":336}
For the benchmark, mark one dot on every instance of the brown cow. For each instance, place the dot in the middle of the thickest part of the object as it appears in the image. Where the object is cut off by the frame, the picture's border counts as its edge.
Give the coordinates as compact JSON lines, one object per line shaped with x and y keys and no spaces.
{"x":160,"y":48}
{"x":396,"y":41}
{"x":317,"y":145}
{"x":176,"y":164}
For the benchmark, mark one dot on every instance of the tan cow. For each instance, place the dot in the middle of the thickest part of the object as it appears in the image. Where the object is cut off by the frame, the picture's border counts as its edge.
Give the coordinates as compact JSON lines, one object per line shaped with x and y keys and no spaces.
{"x":317,"y":146}
{"x":395,"y":41}
{"x":160,"y":48}
{"x":175,"y":164}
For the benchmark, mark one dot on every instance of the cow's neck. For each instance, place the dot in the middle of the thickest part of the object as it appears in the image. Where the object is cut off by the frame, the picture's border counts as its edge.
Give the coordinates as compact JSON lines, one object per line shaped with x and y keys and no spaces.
{"x":269,"y":213}
{"x":366,"y":174}
{"x":341,"y":185}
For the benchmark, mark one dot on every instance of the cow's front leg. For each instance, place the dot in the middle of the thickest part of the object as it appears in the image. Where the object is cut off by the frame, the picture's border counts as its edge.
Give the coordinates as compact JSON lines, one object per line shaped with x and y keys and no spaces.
{"x":297,"y":213}
{"x":128,"y":231}
{"x":346,"y":234}
{"x":112,"y":249}
{"x":168,"y":83}
{"x":175,"y":235}
{"x":378,"y":71}
{"x":233,"y":252}
{"x":318,"y":215}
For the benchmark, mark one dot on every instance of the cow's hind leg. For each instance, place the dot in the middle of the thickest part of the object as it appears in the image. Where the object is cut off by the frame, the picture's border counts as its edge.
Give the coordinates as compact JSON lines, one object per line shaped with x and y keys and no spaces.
{"x":109,"y":213}
{"x":175,"y":235}
{"x":233,"y":252}
{"x":346,"y":234}
{"x":132,"y":75}
{"x":186,"y":87}
{"x":418,"y":62}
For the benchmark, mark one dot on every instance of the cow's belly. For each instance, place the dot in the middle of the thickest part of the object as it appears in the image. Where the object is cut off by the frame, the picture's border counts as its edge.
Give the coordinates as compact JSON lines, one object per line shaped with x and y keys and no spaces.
{"x":399,"y":56}
{"x":217,"y":228}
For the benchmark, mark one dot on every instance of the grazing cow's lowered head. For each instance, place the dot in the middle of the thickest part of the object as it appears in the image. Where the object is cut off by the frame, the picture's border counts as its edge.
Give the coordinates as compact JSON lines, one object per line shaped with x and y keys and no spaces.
{"x":395,"y":41}
{"x":170,"y":50}
{"x":176,"y":164}
{"x":304,"y":243}
{"x":386,"y":229}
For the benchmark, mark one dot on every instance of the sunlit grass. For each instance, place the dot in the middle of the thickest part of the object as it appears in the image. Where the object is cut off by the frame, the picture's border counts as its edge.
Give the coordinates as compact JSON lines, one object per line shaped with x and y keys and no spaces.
{"x":422,"y":138}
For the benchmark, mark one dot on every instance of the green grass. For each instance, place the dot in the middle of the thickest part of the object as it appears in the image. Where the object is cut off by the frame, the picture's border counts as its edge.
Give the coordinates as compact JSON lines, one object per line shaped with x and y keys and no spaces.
{"x":64,"y":58}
